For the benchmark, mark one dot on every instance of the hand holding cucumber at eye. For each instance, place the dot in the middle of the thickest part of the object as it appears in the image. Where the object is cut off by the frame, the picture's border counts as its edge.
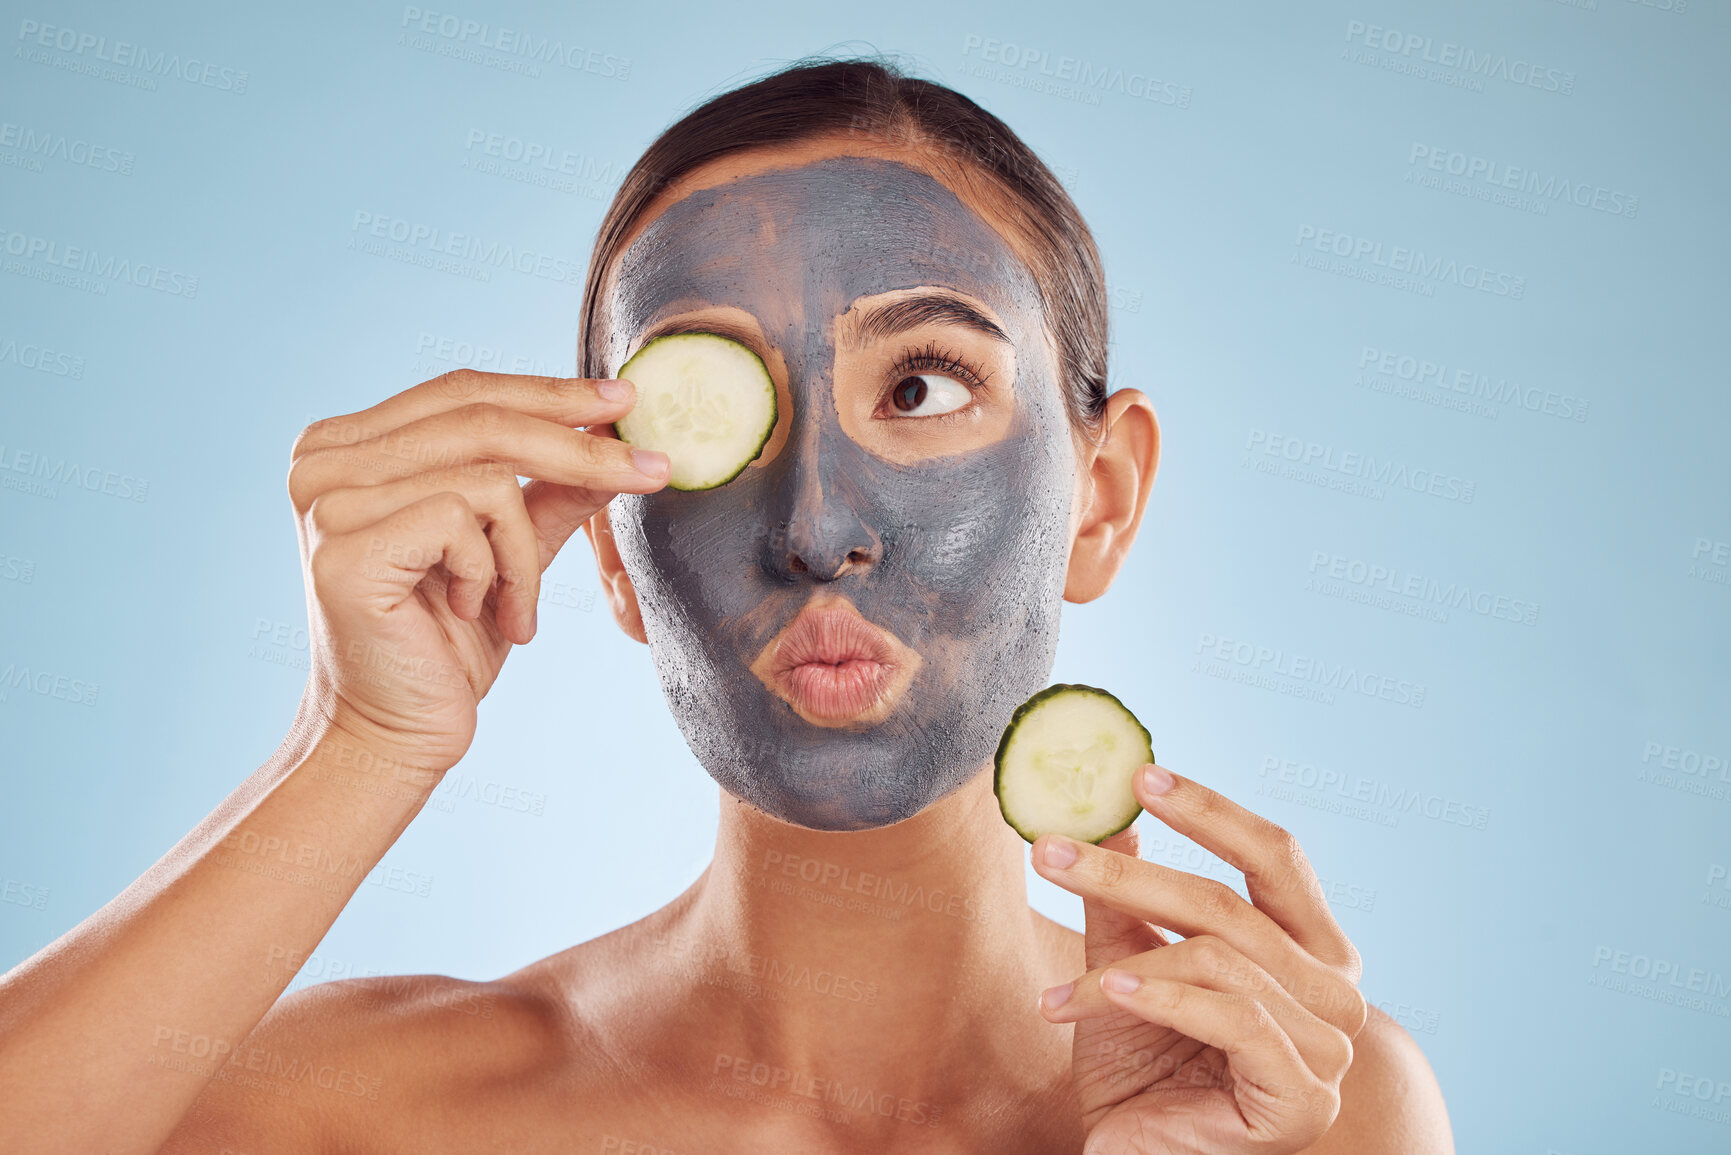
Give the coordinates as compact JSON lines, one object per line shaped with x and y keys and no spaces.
{"x":705,"y":401}
{"x":423,"y":555}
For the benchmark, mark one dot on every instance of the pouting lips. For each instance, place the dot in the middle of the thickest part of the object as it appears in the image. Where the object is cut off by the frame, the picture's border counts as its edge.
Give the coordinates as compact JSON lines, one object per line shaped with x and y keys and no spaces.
{"x":833,"y":667}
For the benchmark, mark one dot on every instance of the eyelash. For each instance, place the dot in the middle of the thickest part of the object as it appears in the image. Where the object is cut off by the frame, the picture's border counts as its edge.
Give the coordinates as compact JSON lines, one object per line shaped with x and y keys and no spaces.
{"x":932,"y":359}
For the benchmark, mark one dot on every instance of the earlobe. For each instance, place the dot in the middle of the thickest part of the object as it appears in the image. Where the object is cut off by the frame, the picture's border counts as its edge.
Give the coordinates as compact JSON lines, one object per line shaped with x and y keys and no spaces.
{"x":621,"y":594}
{"x":1115,"y":482}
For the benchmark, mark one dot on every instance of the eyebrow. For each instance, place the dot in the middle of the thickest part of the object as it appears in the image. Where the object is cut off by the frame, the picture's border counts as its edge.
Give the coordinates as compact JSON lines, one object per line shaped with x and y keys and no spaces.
{"x":888,"y":320}
{"x":876,"y":323}
{"x":743,"y":334}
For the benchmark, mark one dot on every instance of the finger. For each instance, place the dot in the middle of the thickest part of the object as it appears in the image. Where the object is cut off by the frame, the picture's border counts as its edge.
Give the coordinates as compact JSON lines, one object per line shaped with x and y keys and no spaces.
{"x":569,"y":401}
{"x":1286,"y":1091}
{"x":1276,"y":872}
{"x":380,"y":565}
{"x":496,"y":498}
{"x":1110,"y":934}
{"x":557,"y":512}
{"x":1187,"y":903}
{"x":474,"y":435}
{"x":1206,"y":961}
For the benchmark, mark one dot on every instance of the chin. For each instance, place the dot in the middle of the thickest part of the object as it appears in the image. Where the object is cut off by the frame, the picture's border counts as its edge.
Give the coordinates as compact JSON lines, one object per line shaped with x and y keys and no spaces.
{"x":839,"y":780}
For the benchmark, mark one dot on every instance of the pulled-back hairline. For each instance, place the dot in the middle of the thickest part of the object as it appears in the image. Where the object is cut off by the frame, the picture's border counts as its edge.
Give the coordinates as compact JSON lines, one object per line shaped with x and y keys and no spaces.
{"x":962,"y":145}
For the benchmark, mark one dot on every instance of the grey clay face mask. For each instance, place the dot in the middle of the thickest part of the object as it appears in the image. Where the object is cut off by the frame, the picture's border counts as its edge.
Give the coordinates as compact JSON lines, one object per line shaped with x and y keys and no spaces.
{"x":967,"y":552}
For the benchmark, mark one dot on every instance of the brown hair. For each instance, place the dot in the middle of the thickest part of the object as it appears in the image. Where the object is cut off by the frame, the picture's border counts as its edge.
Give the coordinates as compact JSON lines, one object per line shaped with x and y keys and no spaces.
{"x":873,"y":97}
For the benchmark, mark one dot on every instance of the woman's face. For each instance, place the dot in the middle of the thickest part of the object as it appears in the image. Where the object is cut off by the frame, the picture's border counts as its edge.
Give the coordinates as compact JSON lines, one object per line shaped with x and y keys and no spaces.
{"x":920,"y":476}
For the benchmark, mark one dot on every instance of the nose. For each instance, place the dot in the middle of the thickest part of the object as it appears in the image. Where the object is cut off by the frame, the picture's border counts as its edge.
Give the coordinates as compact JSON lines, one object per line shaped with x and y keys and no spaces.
{"x":824,"y":534}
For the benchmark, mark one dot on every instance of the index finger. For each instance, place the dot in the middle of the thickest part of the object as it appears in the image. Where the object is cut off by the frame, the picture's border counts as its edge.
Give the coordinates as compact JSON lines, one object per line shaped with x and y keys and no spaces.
{"x":570,"y":401}
{"x":1276,"y":872}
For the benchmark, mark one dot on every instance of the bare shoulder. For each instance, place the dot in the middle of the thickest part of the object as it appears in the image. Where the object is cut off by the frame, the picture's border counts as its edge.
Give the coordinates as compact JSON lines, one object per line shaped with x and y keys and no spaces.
{"x":347,"y":1064}
{"x":1390,"y":1101}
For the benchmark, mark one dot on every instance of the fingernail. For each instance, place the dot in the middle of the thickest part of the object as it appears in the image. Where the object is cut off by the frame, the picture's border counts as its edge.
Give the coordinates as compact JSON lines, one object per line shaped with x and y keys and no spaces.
{"x":1056,"y":997}
{"x":1060,"y":852}
{"x":614,"y":390}
{"x":1157,"y":779}
{"x":1122,"y":982}
{"x":650,"y":462}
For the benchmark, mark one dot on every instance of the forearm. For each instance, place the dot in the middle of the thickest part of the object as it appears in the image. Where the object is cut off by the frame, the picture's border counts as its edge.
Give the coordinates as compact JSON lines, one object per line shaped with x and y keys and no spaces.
{"x":109,"y":1033}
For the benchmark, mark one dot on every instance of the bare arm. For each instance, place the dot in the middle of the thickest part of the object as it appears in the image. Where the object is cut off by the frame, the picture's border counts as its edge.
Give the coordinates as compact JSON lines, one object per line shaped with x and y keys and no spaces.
{"x":108,"y":1034}
{"x":422,"y":556}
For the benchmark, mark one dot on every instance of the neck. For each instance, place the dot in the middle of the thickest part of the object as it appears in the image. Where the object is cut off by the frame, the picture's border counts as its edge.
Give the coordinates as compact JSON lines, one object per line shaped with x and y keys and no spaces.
{"x":899,"y":959}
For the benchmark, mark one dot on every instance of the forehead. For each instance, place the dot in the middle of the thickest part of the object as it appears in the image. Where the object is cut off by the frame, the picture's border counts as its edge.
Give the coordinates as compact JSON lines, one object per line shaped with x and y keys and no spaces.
{"x":797,"y":244}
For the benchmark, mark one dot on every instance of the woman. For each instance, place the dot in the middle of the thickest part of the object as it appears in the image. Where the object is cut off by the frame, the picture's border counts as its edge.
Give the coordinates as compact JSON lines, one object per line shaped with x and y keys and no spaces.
{"x":842,"y":632}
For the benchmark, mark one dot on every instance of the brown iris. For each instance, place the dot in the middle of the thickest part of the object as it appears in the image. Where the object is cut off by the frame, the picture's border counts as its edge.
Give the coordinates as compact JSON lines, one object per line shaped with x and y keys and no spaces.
{"x":910,"y":393}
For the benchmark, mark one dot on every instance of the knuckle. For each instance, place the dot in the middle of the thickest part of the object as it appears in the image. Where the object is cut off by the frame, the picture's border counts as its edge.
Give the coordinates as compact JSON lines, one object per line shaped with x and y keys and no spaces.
{"x":312,"y":435}
{"x":483,"y":418}
{"x":1319,"y":1105}
{"x":501,"y":482}
{"x":480,"y":482}
{"x":302,"y":482}
{"x":458,"y":384}
{"x":519,"y":579}
{"x":1285,"y":849}
{"x":329,"y":433}
{"x":1253,"y":1018}
{"x":320,"y":512}
{"x":1215,"y":900}
{"x":1325,"y":1101}
{"x":1209,"y":806}
{"x":1213,"y":954}
{"x":1357,"y":1011}
{"x":553,"y":389}
{"x":588,"y":452}
{"x":1339,"y":1059}
{"x":1111,"y":870}
{"x":1281,"y":861}
{"x":452,"y":509}
{"x":322,"y":567}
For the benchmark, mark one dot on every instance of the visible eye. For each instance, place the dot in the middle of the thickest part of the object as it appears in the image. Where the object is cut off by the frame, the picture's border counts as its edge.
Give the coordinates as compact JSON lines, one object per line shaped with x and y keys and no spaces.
{"x":928,"y":395}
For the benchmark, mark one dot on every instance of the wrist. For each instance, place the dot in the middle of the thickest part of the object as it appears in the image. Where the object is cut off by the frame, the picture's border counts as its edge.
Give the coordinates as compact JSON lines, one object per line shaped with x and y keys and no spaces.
{"x":347,"y":755}
{"x":351,"y":741}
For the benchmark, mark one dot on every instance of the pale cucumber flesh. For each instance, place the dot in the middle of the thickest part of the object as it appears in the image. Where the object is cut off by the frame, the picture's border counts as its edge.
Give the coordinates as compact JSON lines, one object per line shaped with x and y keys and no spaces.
{"x":1065,"y":764}
{"x":705,"y":401}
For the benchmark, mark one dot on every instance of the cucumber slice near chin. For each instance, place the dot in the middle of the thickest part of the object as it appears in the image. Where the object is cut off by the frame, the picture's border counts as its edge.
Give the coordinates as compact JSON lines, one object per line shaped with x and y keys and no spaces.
{"x":705,"y":401}
{"x":1065,"y":764}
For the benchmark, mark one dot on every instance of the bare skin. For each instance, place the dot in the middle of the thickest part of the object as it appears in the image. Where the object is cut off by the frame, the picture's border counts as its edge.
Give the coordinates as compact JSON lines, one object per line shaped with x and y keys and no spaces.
{"x":757,"y":1011}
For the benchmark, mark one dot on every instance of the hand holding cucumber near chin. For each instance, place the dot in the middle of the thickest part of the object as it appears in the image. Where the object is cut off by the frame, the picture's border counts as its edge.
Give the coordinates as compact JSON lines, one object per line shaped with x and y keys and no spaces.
{"x":423,"y":555}
{"x":1235,"y":1039}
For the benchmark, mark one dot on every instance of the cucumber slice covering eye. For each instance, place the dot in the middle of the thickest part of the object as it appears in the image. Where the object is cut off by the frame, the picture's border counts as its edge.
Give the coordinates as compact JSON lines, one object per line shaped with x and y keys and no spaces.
{"x":705,"y":401}
{"x":1065,"y":764}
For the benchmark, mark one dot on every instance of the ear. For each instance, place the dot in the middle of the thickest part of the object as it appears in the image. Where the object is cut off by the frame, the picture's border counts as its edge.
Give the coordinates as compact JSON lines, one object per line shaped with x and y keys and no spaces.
{"x":1113,"y":482}
{"x":621,"y":594}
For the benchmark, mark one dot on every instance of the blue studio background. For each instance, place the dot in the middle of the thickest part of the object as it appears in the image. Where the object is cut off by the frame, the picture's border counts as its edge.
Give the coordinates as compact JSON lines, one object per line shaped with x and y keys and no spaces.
{"x":1430,"y":298}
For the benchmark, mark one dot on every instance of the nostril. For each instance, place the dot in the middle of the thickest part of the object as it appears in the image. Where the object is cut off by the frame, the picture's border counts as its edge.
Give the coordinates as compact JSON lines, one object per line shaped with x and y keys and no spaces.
{"x":858,"y":556}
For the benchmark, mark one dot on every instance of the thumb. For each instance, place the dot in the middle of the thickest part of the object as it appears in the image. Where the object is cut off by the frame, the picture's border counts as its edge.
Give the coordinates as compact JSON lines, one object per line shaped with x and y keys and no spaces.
{"x":1109,"y":934}
{"x":558,"y":511}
